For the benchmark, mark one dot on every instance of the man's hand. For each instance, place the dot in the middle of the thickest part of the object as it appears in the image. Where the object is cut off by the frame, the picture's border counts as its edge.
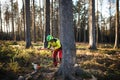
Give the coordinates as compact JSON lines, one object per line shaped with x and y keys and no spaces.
{"x":41,"y":48}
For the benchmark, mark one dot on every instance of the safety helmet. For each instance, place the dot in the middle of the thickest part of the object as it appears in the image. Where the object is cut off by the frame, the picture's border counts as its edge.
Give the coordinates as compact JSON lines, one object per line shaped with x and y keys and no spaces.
{"x":49,"y":37}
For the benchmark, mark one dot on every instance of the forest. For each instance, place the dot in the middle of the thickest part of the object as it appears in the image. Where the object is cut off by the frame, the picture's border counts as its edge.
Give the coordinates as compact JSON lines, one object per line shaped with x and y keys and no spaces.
{"x":88,"y":31}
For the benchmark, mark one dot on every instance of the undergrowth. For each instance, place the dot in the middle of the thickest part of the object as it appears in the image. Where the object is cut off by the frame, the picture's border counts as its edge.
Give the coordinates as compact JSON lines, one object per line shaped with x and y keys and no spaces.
{"x":103,"y":63}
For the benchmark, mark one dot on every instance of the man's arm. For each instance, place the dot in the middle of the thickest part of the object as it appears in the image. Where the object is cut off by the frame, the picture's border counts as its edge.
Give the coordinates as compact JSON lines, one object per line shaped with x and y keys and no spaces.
{"x":48,"y":47}
{"x":58,"y":44}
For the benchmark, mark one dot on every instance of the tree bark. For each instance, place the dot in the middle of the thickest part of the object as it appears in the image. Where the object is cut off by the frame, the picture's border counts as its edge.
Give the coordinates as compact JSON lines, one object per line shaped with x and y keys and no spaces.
{"x":110,"y":20}
{"x":1,"y":29}
{"x":92,"y":40}
{"x":13,"y":34}
{"x":28,"y":26}
{"x":68,"y":40}
{"x":117,"y":25}
{"x":47,"y":21}
{"x":33,"y":23}
{"x":23,"y":2}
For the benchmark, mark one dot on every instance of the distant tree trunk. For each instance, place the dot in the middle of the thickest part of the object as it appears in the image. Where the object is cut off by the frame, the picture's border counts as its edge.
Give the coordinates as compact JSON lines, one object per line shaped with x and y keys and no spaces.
{"x":33,"y":19}
{"x":92,"y":40}
{"x":43,"y":25}
{"x":3,"y":25}
{"x":7,"y":30}
{"x":58,"y":20}
{"x":84,"y":40}
{"x":39,"y":24}
{"x":97,"y":25}
{"x":28,"y":26}
{"x":110,"y":24}
{"x":18,"y":22}
{"x":78,"y":27}
{"x":13,"y":33}
{"x":18,"y":32}
{"x":1,"y":30}
{"x":67,"y":39}
{"x":21,"y":29}
{"x":51,"y":17}
{"x":24,"y":17}
{"x":101,"y":4}
{"x":117,"y":25}
{"x":47,"y":21}
{"x":39,"y":30}
{"x":6,"y":18}
{"x":75,"y":29}
{"x":55,"y":18}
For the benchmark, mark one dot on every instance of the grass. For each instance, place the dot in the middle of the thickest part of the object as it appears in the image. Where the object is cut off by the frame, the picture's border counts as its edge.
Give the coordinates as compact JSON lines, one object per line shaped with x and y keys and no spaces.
{"x":103,"y":63}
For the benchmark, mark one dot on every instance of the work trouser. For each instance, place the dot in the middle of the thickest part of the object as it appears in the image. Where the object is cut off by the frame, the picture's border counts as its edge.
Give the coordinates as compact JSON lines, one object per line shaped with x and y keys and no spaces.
{"x":57,"y":55}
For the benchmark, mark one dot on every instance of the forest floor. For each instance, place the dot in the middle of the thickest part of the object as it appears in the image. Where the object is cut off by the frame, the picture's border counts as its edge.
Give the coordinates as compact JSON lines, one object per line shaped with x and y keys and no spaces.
{"x":16,"y":62}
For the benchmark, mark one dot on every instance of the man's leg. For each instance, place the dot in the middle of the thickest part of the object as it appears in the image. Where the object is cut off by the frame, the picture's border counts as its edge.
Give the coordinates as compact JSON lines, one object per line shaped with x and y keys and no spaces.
{"x":55,"y":57}
{"x":60,"y":55}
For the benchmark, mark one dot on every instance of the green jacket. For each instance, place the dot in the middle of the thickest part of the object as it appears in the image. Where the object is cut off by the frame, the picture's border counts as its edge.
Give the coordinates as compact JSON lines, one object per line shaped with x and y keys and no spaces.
{"x":55,"y":43}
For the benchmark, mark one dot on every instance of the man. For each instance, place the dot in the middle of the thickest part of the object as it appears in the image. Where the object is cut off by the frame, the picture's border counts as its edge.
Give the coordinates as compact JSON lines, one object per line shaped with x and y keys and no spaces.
{"x":55,"y":43}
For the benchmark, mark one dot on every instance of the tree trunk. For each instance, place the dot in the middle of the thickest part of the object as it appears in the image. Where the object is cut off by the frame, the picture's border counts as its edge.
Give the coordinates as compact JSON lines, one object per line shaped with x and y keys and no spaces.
{"x":55,"y":19}
{"x":28,"y":26}
{"x":67,"y":40}
{"x":47,"y":21}
{"x":110,"y":24}
{"x":92,"y":41}
{"x":97,"y":24}
{"x":40,"y":29}
{"x":1,"y":30}
{"x":51,"y":17}
{"x":24,"y":17}
{"x":18,"y":22}
{"x":117,"y":25}
{"x":33,"y":16}
{"x":102,"y":35}
{"x":13,"y":33}
{"x":84,"y":40}
{"x":20,"y":29}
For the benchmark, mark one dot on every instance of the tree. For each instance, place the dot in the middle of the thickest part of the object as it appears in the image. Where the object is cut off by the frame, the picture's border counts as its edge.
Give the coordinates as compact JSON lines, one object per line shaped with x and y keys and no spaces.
{"x":40,"y":29}
{"x":81,"y":16}
{"x":97,"y":24}
{"x":23,"y":16}
{"x":92,"y":40}
{"x":6,"y":18}
{"x":117,"y":25}
{"x":67,"y":40}
{"x":33,"y":21}
{"x":18,"y":32}
{"x":13,"y":34}
{"x":55,"y":18}
{"x":110,"y":20}
{"x":84,"y":20}
{"x":28,"y":26}
{"x":1,"y":30}
{"x":101,"y":4}
{"x":15,"y":17}
{"x":51,"y":16}
{"x":47,"y":21}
